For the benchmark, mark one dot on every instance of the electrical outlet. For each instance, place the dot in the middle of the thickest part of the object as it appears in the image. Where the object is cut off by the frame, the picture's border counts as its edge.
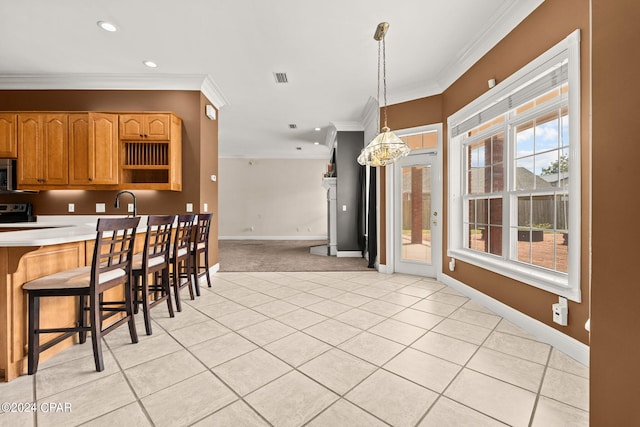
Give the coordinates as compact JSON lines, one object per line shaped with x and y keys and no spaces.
{"x":100,"y":208}
{"x":72,"y":207}
{"x":189,"y":207}
{"x":205,"y":207}
{"x":130,"y":207}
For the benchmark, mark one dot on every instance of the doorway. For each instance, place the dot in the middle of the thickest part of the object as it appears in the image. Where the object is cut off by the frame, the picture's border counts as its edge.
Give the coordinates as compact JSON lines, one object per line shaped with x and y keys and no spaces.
{"x":417,"y":201}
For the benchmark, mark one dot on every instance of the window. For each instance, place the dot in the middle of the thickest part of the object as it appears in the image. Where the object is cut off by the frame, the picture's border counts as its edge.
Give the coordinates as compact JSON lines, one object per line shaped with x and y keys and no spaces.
{"x":514,"y":175}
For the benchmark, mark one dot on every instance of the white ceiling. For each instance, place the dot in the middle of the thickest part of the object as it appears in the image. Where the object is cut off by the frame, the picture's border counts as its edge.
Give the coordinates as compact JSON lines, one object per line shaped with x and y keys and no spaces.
{"x":325,"y":47}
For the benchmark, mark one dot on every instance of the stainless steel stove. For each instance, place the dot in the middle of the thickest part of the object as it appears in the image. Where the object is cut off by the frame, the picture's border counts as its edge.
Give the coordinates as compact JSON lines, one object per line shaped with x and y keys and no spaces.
{"x":16,"y":212}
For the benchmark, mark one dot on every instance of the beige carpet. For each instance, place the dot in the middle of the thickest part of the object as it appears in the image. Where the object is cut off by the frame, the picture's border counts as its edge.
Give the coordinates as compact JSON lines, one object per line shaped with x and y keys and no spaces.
{"x":281,"y":255}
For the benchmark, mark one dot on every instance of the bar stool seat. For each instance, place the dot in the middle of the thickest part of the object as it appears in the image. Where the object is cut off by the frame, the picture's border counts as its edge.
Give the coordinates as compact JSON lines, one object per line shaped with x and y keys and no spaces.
{"x":111,"y":267}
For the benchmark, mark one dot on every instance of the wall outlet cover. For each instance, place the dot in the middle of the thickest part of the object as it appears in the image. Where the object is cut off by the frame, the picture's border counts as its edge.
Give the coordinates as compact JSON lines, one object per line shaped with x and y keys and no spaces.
{"x":189,"y":207}
{"x":100,"y":208}
{"x":130,"y":207}
{"x":205,"y":207}
{"x":72,"y":207}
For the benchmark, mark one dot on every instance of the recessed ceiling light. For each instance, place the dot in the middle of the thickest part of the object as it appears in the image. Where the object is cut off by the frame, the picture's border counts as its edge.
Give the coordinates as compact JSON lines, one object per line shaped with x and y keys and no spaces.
{"x":150,"y":64}
{"x":317,"y":129}
{"x":107,"y":26}
{"x":316,"y":143}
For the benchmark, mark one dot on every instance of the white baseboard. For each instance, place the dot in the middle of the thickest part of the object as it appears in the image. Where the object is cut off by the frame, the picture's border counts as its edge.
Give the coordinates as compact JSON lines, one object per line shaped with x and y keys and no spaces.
{"x":545,"y":333}
{"x":383,"y":268}
{"x":214,"y":268}
{"x":272,"y":237}
{"x":349,"y":254}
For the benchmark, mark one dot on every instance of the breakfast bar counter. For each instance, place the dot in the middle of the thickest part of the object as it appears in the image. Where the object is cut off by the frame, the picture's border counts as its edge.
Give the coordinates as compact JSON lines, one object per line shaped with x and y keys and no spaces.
{"x":29,"y":251}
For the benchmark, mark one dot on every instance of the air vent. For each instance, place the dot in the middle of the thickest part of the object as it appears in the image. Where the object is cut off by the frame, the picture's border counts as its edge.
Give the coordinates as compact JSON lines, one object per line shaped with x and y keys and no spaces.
{"x":299,"y":148}
{"x":281,"y":77}
{"x":293,"y":126}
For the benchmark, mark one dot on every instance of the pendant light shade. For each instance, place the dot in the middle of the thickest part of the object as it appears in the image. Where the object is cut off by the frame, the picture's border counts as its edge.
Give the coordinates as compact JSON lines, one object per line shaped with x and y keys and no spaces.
{"x":386,"y":147}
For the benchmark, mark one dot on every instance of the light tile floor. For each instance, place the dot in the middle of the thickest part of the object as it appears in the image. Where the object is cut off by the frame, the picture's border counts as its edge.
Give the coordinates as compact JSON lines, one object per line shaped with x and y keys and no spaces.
{"x":318,"y":349}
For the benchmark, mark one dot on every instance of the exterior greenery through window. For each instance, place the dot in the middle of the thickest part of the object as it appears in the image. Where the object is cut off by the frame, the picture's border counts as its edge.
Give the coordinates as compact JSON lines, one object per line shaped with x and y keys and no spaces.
{"x":514,"y":175}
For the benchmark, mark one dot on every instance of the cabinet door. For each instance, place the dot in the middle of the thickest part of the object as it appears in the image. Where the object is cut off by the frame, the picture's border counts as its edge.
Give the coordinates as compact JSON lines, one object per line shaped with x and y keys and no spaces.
{"x":8,"y":135}
{"x":103,"y":137}
{"x":131,"y":127}
{"x":56,"y":145}
{"x":157,"y":127}
{"x":29,"y":150}
{"x":80,"y":150}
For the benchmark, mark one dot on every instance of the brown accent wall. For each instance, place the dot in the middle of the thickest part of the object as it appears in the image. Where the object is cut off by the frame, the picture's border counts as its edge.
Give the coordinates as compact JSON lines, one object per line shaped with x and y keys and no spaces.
{"x":196,"y":159}
{"x":209,"y":166}
{"x":615,"y":290}
{"x":551,"y":22}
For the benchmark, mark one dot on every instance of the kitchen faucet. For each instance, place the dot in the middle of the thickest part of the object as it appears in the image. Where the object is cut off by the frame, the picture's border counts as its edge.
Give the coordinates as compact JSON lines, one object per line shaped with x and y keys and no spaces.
{"x":117,"y":203}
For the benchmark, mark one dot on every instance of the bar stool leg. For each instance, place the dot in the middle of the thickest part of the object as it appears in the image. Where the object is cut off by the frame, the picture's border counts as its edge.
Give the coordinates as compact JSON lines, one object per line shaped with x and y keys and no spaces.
{"x":82,"y":318}
{"x":33,"y":352}
{"x":96,"y":335}
{"x":145,"y":304}
{"x":206,"y":266}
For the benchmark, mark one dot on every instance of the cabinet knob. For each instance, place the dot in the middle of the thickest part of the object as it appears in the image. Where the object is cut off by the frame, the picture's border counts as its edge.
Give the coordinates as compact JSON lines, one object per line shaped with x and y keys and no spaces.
{"x":140,"y":135}
{"x":90,"y":179}
{"x":145,"y":135}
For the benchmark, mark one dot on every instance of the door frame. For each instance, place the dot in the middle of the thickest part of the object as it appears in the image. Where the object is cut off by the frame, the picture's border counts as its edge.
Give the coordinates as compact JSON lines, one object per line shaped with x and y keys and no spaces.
{"x":392,"y":199}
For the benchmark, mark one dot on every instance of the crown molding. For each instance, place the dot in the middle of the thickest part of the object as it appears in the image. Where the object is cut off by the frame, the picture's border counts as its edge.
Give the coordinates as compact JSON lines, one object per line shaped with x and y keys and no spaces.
{"x":505,"y":20}
{"x":347,"y":126}
{"x":200,"y":82}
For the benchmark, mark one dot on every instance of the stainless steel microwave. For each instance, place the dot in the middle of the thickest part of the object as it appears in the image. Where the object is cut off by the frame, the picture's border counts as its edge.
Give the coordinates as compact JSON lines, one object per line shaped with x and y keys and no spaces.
{"x":8,"y":175}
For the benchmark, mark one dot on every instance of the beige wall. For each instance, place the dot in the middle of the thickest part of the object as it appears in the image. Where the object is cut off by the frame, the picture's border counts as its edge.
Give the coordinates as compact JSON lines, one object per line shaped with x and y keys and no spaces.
{"x":199,"y":150}
{"x":279,"y":198}
{"x":545,"y":27}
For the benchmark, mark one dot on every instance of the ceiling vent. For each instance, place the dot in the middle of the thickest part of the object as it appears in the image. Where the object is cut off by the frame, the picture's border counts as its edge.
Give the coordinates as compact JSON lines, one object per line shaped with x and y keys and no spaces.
{"x":293,"y":126}
{"x":281,"y":77}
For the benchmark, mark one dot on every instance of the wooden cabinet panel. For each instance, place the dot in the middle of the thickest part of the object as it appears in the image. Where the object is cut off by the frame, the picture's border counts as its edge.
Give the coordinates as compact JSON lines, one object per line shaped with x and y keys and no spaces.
{"x":80,"y":153}
{"x":56,"y":149}
{"x":157,"y":127}
{"x":93,"y":149}
{"x":8,"y":137}
{"x":29,"y":151}
{"x":103,"y":137}
{"x":43,"y":156}
{"x":143,"y":127}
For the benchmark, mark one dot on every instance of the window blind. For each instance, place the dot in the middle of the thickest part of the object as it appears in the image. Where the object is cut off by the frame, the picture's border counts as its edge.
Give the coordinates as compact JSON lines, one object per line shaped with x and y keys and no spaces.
{"x":557,"y":73}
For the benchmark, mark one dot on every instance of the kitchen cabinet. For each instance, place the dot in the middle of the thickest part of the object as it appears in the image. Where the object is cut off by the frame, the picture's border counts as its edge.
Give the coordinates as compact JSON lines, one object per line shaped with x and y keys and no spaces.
{"x":43,"y":156}
{"x":8,"y":139}
{"x":151,"y":151}
{"x":93,"y":149}
{"x":145,"y":127}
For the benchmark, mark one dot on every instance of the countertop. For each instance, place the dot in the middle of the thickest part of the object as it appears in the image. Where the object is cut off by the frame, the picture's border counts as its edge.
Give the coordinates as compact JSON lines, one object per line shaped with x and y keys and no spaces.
{"x":54,"y":230}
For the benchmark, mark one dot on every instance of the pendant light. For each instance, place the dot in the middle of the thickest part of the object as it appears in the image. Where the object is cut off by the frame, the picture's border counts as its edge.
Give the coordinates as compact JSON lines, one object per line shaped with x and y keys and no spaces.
{"x":386,"y":147}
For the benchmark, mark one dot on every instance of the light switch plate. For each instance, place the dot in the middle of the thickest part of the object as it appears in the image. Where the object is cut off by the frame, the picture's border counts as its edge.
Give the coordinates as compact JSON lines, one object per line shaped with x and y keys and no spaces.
{"x":72,"y":207}
{"x":189,"y":207}
{"x":100,"y":208}
{"x":206,"y":207}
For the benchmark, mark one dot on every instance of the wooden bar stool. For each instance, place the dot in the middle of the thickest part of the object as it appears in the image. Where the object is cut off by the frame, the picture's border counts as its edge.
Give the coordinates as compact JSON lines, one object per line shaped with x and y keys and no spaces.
{"x":201,"y":246}
{"x":180,"y":257}
{"x":154,"y":260}
{"x":110,"y":267}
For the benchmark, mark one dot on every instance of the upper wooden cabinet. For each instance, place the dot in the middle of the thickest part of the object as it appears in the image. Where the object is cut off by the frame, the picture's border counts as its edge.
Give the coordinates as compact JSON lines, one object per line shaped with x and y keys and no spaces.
{"x":93,"y":149}
{"x":151,"y":151}
{"x":145,"y":127}
{"x":43,"y":143}
{"x":8,"y":139}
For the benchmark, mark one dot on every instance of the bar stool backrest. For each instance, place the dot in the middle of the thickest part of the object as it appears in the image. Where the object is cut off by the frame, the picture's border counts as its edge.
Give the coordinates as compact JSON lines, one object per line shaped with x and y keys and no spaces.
{"x":158,"y":238}
{"x":113,"y":252}
{"x":202,"y":230}
{"x":183,"y":235}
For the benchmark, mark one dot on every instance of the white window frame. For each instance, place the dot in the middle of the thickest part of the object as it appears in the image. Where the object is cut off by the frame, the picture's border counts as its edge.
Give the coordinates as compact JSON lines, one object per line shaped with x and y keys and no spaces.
{"x":564,"y":284}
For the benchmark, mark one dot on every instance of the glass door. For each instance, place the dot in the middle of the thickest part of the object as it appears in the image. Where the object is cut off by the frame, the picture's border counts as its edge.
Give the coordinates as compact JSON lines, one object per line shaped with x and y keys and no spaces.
{"x":417,"y":236}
